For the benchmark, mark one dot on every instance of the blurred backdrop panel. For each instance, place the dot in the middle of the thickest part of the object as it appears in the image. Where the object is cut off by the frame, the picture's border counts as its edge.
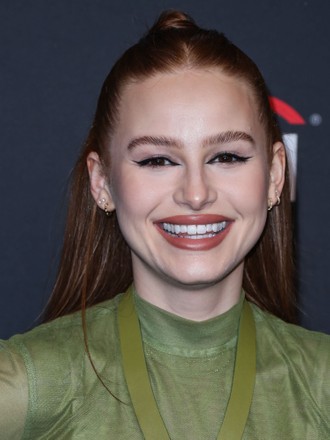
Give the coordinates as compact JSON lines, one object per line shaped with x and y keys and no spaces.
{"x":54,"y":57}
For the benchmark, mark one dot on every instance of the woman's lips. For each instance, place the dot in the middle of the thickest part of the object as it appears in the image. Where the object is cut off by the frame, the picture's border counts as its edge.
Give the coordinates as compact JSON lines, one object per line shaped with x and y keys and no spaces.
{"x":194,"y":232}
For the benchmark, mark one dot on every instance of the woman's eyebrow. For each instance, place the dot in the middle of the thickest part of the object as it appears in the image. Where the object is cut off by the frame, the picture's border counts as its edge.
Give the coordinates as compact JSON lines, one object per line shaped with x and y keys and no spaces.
{"x":228,"y":136}
{"x":220,"y":138}
{"x":154,"y":140}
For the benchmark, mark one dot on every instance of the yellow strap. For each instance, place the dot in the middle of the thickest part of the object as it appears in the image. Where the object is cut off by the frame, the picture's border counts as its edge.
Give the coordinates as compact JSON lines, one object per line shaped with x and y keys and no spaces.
{"x":136,"y":373}
{"x":243,"y":380}
{"x":138,"y":383}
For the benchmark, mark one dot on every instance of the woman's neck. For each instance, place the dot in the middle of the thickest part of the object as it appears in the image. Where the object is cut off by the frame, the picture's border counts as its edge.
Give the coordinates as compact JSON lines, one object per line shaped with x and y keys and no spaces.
{"x":197,"y":303}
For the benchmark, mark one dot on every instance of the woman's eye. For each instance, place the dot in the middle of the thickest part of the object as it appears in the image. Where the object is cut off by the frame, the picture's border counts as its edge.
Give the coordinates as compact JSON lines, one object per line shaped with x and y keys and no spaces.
{"x":229,"y":158}
{"x":155,"y":162}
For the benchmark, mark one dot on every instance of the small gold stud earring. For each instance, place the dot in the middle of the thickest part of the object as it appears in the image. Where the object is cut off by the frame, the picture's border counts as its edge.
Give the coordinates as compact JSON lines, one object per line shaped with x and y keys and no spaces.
{"x":107,"y":212}
{"x":104,"y":205}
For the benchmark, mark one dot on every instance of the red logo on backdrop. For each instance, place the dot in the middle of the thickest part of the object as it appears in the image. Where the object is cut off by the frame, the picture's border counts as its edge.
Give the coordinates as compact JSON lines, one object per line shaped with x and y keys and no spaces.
{"x":286,"y":111}
{"x":292,"y":117}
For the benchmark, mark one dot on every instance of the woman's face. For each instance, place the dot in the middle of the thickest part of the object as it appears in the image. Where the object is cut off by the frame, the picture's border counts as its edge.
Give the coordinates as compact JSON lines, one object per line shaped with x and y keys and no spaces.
{"x":190,"y":178}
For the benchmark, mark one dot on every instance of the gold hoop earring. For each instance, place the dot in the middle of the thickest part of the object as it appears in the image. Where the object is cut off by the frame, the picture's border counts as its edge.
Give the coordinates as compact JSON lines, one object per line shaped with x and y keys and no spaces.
{"x":278,"y":198}
{"x":270,"y":205}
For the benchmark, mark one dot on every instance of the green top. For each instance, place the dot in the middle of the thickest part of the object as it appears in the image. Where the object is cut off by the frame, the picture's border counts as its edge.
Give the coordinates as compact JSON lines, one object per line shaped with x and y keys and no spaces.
{"x":48,"y":390}
{"x":139,"y":386}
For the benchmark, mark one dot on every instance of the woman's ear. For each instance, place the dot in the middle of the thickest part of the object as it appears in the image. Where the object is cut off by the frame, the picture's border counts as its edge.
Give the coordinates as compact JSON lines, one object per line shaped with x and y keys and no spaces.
{"x":98,"y":183}
{"x":277,"y":173}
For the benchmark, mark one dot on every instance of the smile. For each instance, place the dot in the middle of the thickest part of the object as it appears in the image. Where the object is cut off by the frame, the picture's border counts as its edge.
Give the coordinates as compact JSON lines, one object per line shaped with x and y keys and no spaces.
{"x":194,"y":232}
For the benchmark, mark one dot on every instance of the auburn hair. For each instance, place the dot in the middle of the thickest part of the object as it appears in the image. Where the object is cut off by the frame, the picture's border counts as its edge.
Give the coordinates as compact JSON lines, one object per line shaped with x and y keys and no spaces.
{"x":95,"y":264}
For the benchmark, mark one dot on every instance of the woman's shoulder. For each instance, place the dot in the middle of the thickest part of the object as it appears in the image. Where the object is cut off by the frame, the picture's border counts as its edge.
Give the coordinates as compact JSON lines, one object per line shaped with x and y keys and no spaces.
{"x":47,"y":361}
{"x":305,"y":348}
{"x":304,"y":352}
{"x":13,"y":392}
{"x":297,"y":355}
{"x":291,"y":334}
{"x":66,"y":330}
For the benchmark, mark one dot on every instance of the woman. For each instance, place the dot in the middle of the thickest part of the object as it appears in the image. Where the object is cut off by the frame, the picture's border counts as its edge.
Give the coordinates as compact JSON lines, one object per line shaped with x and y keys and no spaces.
{"x":181,"y":188}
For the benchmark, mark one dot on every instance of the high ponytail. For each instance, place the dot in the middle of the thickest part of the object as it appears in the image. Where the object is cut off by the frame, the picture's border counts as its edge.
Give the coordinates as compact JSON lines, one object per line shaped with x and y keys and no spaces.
{"x":169,"y":20}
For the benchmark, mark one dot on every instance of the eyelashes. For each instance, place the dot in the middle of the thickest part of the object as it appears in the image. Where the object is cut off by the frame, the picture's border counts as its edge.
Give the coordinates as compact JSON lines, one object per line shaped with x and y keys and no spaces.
{"x":229,"y":158}
{"x":222,"y":158}
{"x":156,"y":162}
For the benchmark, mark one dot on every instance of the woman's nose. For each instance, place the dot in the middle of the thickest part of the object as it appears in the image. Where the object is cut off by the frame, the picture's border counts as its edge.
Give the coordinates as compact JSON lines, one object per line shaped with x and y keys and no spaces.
{"x":195,"y":190}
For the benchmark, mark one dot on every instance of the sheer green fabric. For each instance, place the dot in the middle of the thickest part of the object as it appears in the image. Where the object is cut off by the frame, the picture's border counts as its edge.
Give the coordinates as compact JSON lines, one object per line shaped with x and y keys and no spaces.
{"x":139,"y":385}
{"x":48,"y":389}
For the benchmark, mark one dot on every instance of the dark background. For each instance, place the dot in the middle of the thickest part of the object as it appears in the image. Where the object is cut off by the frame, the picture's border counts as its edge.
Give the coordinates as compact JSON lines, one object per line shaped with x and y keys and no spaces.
{"x":54,"y":57}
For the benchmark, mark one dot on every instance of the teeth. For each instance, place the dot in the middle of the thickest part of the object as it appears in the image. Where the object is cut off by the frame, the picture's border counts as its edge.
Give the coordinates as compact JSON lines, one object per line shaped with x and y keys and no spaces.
{"x":196,"y":237}
{"x":208,"y":228}
{"x":201,"y":229}
{"x":195,"y":231}
{"x":192,"y":229}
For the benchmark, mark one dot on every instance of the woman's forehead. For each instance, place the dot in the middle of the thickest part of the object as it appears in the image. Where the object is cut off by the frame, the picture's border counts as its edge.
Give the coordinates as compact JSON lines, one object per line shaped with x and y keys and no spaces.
{"x":188,"y":102}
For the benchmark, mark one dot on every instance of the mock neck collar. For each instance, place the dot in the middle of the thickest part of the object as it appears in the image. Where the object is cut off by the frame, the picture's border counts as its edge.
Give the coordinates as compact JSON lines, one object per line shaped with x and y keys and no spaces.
{"x":175,"y":335}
